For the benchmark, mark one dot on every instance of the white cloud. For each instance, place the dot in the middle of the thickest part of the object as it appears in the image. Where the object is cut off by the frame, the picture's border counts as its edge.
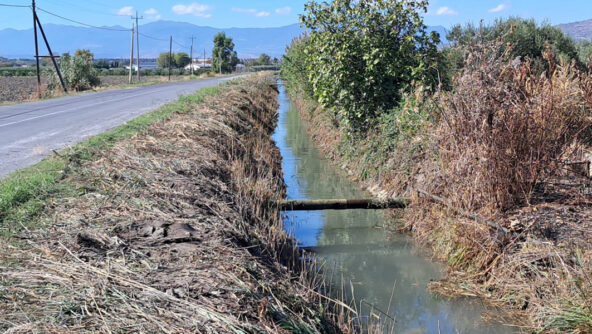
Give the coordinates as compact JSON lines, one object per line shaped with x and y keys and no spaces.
{"x":152,"y":14}
{"x":244,"y":10}
{"x":251,"y":11}
{"x":499,"y":8}
{"x":283,"y":11}
{"x":446,"y":11}
{"x":126,"y":11}
{"x":194,"y":9}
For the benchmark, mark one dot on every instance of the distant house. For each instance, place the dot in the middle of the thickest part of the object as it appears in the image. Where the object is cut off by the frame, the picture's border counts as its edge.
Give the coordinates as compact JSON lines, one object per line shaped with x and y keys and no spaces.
{"x":145,"y":64}
{"x":200,"y":63}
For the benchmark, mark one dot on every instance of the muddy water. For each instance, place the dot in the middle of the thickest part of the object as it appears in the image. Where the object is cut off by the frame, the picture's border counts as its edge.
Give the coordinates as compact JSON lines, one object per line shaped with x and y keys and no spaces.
{"x":354,"y":243}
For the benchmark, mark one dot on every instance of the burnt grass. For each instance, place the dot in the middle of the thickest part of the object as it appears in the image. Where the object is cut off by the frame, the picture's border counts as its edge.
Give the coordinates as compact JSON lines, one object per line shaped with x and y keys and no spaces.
{"x":170,"y":231}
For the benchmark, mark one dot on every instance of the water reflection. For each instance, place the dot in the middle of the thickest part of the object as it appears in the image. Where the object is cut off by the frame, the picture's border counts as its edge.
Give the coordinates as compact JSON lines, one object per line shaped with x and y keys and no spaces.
{"x":355,"y":242}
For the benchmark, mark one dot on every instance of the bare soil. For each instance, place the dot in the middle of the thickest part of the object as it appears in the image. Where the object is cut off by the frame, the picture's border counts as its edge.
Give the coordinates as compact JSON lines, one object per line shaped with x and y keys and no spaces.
{"x":21,"y":89}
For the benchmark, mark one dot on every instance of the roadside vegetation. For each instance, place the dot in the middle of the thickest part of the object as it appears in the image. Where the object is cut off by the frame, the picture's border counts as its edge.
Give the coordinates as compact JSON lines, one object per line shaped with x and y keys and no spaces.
{"x":162,"y":225}
{"x":489,"y":136}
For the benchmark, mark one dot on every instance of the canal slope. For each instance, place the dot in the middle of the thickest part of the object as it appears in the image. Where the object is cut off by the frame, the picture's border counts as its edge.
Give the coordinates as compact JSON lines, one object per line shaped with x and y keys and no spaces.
{"x":389,"y":273}
{"x":165,"y":230}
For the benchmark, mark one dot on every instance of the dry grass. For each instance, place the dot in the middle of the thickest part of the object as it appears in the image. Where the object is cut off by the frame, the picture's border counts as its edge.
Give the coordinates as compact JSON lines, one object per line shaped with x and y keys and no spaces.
{"x":172,"y":233}
{"x":494,"y":147}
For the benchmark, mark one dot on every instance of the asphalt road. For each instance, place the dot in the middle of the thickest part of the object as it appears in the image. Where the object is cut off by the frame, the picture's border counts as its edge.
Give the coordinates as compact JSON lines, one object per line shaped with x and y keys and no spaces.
{"x":30,"y":131}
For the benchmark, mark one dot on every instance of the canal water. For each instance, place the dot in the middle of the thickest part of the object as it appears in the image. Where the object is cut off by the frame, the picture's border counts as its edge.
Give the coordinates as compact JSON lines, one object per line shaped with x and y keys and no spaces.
{"x":356,"y":245}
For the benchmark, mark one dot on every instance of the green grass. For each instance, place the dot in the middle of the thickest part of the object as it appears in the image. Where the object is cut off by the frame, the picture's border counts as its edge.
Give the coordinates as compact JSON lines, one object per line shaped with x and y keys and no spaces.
{"x":26,"y":193}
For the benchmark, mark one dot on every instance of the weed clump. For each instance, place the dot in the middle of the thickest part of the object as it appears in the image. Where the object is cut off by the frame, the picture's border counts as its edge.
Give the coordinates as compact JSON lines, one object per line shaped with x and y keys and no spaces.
{"x":504,"y":126}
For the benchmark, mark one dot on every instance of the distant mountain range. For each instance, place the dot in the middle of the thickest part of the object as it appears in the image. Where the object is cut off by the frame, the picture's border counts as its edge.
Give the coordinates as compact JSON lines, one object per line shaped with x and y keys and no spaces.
{"x":154,"y":39}
{"x":578,"y":30}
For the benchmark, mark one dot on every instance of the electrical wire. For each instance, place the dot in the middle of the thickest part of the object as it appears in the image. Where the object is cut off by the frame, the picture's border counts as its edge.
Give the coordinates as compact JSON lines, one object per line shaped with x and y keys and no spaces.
{"x":179,"y":44}
{"x":78,"y":22}
{"x":82,"y":8}
{"x":7,"y":5}
{"x":154,"y":38}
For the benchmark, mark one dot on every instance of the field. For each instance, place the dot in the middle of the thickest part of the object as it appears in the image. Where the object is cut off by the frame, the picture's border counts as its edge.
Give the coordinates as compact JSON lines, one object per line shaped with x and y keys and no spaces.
{"x":21,"y":89}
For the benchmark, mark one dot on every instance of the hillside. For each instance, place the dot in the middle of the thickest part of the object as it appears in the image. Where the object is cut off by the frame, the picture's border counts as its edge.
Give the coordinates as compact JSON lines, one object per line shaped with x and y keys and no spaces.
{"x":578,"y":30}
{"x":250,"y":42}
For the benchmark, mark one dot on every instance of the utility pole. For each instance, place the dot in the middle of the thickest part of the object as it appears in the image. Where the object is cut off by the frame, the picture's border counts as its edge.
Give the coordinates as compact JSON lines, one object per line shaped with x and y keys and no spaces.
{"x":37,"y":23}
{"x":191,"y":56}
{"x":170,"y":57}
{"x":36,"y":51}
{"x":204,"y":59}
{"x":131,"y":63}
{"x":138,"y":42}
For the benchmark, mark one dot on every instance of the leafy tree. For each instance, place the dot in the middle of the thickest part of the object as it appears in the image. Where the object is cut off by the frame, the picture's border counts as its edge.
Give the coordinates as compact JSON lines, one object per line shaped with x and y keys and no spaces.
{"x":584,"y":51}
{"x":363,"y":54}
{"x":163,"y":60}
{"x":264,"y":59}
{"x":84,"y":55}
{"x":102,"y":64}
{"x":182,"y":59}
{"x":224,"y":58}
{"x":78,"y":72}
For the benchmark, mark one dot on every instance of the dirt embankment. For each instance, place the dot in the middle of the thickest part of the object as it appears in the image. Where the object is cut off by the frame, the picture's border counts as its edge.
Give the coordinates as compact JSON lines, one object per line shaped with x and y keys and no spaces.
{"x":540,"y":270}
{"x":169,"y":232}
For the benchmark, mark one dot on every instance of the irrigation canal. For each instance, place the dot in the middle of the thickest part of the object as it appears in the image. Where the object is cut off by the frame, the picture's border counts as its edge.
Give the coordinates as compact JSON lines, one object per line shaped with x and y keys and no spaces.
{"x":355,"y":243}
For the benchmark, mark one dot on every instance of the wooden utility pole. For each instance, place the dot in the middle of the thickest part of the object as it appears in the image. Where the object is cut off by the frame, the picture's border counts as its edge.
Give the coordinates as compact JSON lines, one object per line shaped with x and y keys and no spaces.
{"x":204,"y":59}
{"x":191,"y":56}
{"x":37,"y":23}
{"x":170,"y":57}
{"x":131,"y":63}
{"x":138,"y":42}
{"x":36,"y":52}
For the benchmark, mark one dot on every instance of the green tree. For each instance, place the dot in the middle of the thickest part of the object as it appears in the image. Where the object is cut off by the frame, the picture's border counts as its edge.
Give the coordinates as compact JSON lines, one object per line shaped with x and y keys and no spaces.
{"x":363,"y":54}
{"x":182,"y":59}
{"x":264,"y":59}
{"x":84,"y":55}
{"x":78,"y":72}
{"x":163,"y":60}
{"x":102,"y":64}
{"x":224,"y":58}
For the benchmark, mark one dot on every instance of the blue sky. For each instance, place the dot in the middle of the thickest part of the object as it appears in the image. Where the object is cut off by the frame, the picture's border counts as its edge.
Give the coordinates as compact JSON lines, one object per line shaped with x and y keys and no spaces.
{"x":273,"y":13}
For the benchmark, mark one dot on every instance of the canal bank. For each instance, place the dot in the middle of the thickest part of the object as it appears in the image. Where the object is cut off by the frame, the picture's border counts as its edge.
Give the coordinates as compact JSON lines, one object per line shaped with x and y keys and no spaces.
{"x":161,"y":226}
{"x":388,"y":271}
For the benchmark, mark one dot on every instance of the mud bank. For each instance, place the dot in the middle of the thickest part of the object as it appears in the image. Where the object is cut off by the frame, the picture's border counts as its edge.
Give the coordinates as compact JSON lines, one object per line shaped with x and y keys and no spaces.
{"x":539,"y":271}
{"x":168,"y":231}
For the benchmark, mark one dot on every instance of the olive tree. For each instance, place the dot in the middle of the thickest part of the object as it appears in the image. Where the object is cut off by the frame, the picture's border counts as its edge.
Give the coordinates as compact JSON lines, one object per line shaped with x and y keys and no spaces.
{"x":362,"y":54}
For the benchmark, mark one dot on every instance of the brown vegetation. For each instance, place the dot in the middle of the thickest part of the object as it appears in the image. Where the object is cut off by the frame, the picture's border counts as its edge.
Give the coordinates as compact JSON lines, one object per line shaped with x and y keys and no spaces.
{"x":170,"y":231}
{"x":497,"y":147}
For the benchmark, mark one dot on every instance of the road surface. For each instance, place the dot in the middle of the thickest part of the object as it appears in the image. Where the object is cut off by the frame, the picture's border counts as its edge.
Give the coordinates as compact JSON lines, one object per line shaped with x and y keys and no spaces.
{"x":30,"y":131}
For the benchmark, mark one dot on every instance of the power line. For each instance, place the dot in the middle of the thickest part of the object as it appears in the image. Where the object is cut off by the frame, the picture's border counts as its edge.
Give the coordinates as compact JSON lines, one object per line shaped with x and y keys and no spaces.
{"x":154,"y":38}
{"x":78,"y":22}
{"x":179,"y":44}
{"x":82,"y":8}
{"x":7,"y":5}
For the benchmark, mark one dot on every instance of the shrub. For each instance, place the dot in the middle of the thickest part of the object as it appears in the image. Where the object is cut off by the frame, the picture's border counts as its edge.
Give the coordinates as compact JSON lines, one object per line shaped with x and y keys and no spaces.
{"x":504,"y":125}
{"x":522,"y":38}
{"x":78,"y":72}
{"x":362,"y":55}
